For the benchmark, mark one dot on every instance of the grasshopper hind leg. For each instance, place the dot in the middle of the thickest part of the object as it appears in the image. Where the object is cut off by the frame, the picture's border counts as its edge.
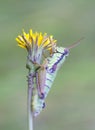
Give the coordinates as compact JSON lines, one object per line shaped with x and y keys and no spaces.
{"x":41,"y":79}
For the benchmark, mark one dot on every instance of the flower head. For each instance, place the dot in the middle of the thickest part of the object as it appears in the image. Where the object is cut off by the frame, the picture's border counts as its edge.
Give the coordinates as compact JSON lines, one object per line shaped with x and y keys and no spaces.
{"x":36,"y":44}
{"x":36,"y":40}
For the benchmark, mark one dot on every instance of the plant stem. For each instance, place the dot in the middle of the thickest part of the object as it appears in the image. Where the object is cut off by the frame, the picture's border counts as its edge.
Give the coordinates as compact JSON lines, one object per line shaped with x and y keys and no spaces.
{"x":30,"y":91}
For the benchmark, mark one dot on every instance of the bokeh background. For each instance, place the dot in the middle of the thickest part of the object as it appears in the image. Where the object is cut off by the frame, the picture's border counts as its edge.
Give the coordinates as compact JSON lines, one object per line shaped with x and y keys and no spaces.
{"x":71,"y":101}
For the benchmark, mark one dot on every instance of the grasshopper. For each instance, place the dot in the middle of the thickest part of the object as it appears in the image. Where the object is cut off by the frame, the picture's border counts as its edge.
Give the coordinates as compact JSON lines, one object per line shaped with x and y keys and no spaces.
{"x":46,"y":74}
{"x":38,"y":94}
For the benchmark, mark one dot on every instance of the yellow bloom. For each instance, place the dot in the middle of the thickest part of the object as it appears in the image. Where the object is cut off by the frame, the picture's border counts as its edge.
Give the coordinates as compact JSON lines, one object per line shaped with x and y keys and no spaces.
{"x":31,"y":40}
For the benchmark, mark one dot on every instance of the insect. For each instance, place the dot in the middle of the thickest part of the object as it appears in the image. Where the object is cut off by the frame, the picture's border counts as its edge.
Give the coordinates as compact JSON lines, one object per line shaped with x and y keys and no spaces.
{"x":46,"y":75}
{"x":38,"y":96}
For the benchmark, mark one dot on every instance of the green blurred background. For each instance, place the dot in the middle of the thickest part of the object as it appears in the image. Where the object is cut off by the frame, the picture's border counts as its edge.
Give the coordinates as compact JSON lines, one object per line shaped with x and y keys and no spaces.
{"x":71,"y":101}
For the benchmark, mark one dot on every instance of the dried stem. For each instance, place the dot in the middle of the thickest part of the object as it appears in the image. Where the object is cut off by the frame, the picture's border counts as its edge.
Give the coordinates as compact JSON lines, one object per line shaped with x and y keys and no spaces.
{"x":30,"y":91}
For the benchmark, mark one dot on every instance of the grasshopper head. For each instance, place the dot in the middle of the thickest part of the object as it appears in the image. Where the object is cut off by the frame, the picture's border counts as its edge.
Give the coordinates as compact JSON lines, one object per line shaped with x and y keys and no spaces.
{"x":62,"y":50}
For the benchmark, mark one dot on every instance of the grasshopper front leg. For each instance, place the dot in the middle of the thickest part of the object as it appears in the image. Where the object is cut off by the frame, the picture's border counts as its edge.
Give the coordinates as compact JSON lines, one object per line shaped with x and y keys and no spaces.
{"x":41,"y":78}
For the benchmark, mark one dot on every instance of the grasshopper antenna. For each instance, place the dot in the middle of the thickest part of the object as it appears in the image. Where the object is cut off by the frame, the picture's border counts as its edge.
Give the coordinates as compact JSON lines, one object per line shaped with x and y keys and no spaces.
{"x":75,"y":43}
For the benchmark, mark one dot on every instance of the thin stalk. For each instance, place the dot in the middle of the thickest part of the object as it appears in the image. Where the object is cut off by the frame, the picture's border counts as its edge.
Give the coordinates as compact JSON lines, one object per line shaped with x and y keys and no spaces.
{"x":30,"y":91}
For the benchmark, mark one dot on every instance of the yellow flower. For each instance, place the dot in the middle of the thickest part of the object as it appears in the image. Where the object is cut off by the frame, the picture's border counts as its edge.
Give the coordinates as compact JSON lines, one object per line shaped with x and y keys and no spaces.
{"x":36,"y":40}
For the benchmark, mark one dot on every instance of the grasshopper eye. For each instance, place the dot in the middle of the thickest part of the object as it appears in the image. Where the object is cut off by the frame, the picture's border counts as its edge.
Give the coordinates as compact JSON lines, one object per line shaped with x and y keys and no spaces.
{"x":66,"y":52}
